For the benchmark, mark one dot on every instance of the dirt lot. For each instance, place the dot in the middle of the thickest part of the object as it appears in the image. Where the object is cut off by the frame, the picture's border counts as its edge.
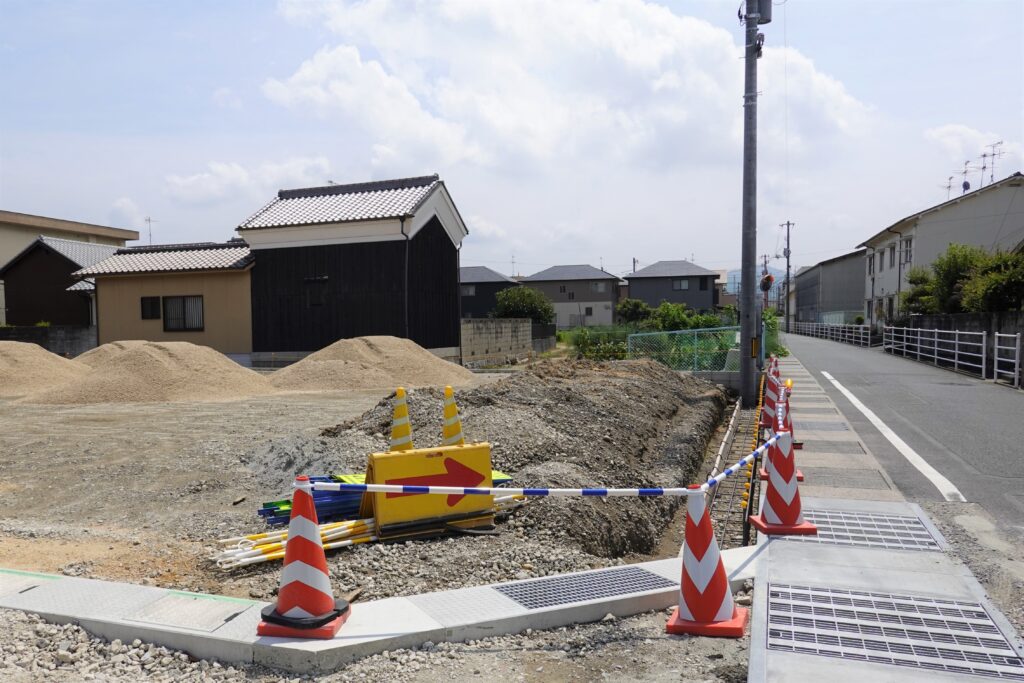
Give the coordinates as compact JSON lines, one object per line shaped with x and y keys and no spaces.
{"x":138,"y":492}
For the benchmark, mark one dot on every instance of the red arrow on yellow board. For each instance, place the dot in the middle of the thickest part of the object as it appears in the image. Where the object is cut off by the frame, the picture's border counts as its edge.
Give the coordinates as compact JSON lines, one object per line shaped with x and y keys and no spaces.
{"x":456,"y":474}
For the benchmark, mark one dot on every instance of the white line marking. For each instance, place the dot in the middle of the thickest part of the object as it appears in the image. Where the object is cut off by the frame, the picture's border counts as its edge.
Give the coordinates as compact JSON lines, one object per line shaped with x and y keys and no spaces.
{"x":945,"y":486}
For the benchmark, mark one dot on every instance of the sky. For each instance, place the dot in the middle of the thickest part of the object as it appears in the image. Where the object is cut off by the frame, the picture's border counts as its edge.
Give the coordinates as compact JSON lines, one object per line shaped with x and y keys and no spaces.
{"x":566,"y":132}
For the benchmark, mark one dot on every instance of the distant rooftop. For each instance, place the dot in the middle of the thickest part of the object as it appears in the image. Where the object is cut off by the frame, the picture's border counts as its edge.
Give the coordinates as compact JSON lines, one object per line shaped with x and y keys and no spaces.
{"x":80,"y":254}
{"x":28,"y":220}
{"x":469,"y":275}
{"x":173,"y":258}
{"x":377,"y":200}
{"x":671,"y":269}
{"x":576,"y":272}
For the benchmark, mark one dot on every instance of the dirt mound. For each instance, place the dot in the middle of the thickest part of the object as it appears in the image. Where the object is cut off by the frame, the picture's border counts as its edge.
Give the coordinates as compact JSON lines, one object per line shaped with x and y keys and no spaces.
{"x":101,"y":354}
{"x":25,"y":368}
{"x":136,"y":372}
{"x":370,"y":363}
{"x":572,"y":424}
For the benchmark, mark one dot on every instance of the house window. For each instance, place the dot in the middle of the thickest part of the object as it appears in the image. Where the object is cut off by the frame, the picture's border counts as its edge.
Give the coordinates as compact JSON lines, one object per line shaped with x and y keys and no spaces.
{"x":572,"y":295}
{"x":703,"y":283}
{"x":316,"y":291}
{"x":881,"y":260}
{"x":150,"y":308}
{"x":892,"y":256}
{"x":908,"y":250}
{"x":561,"y":289}
{"x":468,"y":290}
{"x":183,"y":314}
{"x":596,"y":287}
{"x":867,"y":311}
{"x":871,"y":264}
{"x":680,"y":285}
{"x":589,"y":310}
{"x":889,"y":306}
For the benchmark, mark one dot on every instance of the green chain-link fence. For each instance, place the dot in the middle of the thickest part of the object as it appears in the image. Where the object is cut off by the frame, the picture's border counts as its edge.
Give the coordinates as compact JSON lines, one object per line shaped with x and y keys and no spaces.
{"x":710,"y":349}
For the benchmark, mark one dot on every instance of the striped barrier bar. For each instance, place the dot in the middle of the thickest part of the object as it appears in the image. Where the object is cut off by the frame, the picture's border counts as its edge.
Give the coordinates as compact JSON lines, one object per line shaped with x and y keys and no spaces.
{"x":553,"y":493}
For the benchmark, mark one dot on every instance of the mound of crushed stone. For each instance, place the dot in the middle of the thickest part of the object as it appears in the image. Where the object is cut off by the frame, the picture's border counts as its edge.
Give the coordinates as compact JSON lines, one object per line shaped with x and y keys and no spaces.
{"x":569,"y":424}
{"x":138,"y":372}
{"x":27,"y":368}
{"x":370,"y":363}
{"x":102,"y":354}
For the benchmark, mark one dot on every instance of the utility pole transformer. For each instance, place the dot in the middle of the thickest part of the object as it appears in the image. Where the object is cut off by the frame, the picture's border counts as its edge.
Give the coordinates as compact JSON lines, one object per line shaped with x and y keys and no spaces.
{"x":788,"y":225}
{"x":757,"y":12}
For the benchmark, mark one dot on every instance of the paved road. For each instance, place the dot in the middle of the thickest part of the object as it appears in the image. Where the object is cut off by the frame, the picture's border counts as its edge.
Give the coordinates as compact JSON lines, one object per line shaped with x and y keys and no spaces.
{"x":971,"y":431}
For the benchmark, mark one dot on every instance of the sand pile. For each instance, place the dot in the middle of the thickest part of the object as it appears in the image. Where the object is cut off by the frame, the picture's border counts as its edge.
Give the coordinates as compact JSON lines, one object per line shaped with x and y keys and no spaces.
{"x":370,"y":363}
{"x":135,"y":372}
{"x":25,"y":368}
{"x":102,"y":354}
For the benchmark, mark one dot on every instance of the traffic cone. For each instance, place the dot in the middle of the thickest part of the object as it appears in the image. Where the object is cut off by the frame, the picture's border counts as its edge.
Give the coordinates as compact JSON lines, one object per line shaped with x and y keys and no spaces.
{"x":705,"y":598}
{"x":305,"y":605}
{"x":769,"y":402}
{"x":781,"y":418}
{"x":401,"y":429}
{"x":452,"y":429}
{"x":781,"y":513}
{"x":785,"y":414}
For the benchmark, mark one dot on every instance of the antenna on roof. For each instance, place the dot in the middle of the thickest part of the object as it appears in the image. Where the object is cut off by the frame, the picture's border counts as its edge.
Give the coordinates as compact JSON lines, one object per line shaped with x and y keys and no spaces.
{"x":513,"y":265}
{"x":331,"y":182}
{"x":149,"y":224}
{"x":984,"y":167}
{"x":948,"y":186}
{"x":995,"y":154}
{"x":966,"y":185}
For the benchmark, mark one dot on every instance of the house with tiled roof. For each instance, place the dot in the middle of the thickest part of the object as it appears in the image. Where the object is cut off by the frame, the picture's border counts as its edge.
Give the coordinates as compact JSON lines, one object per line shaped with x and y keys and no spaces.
{"x":39,"y":285}
{"x":678,"y":282}
{"x":199,"y":293}
{"x":479,"y":287}
{"x":581,"y":294}
{"x":344,"y":261}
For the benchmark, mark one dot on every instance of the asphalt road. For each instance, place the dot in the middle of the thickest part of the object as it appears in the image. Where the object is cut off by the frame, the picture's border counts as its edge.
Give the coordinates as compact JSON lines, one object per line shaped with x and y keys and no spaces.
{"x":969,"y":430}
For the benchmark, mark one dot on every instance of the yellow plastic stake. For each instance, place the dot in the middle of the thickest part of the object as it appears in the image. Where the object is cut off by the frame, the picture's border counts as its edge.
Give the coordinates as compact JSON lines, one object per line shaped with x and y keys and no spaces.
{"x":401,"y":429}
{"x":452,"y":430}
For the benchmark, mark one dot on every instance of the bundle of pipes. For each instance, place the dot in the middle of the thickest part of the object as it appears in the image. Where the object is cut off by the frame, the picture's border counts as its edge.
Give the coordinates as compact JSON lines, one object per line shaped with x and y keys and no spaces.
{"x":242,"y":551}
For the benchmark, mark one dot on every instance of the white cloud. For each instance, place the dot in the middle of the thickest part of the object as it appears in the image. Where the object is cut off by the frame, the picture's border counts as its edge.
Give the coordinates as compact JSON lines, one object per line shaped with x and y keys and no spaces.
{"x":962,"y":143}
{"x":224,"y":180}
{"x":125,"y":213}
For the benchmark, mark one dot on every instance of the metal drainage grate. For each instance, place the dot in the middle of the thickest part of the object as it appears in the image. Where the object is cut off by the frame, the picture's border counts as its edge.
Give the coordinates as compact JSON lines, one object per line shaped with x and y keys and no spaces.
{"x":561,"y":590}
{"x":837,"y":447}
{"x":868,"y":530}
{"x":902,"y":630}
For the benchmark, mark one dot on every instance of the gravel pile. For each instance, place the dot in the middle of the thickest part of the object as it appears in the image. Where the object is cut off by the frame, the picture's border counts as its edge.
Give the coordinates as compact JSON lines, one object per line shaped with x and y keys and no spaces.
{"x":370,"y":363}
{"x":135,"y":372}
{"x":25,"y":368}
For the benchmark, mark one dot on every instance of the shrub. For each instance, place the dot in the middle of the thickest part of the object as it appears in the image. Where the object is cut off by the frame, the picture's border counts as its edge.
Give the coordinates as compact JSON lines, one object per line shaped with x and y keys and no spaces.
{"x":859,"y":320}
{"x":920,"y":298}
{"x":996,"y":284}
{"x":633,"y":310}
{"x":523,"y":302}
{"x":43,"y":323}
{"x":951,"y":270}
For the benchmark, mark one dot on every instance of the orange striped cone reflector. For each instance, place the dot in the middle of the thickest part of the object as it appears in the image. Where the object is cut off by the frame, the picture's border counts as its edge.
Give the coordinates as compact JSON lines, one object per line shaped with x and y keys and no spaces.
{"x":452,"y":430}
{"x":705,"y":599}
{"x":401,"y":428}
{"x":305,"y":606}
{"x":781,"y":512}
{"x":776,"y":425}
{"x":772,"y":390}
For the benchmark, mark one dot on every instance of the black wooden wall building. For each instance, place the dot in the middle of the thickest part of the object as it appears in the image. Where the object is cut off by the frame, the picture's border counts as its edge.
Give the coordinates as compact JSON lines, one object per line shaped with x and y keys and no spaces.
{"x":305,"y":298}
{"x":35,"y":286}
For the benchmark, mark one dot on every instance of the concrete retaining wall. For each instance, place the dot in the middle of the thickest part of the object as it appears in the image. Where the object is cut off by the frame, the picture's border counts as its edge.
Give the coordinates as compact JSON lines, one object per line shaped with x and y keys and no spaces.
{"x":64,"y":340}
{"x":495,"y":341}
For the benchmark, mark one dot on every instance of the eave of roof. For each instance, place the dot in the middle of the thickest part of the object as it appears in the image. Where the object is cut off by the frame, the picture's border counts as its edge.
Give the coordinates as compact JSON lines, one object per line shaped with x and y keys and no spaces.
{"x":563,"y":274}
{"x":28,"y":220}
{"x":166,"y":259}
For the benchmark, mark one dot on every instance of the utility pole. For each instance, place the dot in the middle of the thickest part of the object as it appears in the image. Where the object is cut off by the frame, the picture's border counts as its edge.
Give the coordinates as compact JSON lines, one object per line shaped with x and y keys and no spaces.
{"x":634,"y":264}
{"x":757,"y":12}
{"x":788,"y":225}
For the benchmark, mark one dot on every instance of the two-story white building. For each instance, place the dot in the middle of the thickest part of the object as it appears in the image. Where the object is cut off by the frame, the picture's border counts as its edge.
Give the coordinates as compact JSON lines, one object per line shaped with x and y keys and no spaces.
{"x":991,"y":217}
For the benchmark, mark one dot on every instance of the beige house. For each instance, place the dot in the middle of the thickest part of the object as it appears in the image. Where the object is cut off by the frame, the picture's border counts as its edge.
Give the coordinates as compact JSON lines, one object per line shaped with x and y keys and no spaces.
{"x":198,"y":293}
{"x":19,"y":230}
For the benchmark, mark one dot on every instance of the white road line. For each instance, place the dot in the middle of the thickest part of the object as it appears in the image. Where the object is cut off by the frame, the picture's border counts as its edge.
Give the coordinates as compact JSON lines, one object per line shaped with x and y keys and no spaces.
{"x":945,"y":486}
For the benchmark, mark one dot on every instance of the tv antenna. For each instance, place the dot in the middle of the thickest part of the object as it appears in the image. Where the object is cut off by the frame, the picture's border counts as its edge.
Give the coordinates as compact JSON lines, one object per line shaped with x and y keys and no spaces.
{"x":967,"y":169}
{"x":149,"y":225}
{"x":948,"y":186}
{"x":993,"y":155}
{"x":513,"y":265}
{"x":984,"y":167}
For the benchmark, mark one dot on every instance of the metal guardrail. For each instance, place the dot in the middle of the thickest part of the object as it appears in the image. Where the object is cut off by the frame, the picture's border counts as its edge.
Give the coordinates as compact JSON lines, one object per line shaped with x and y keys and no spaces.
{"x":1006,"y":358}
{"x":701,"y":350}
{"x":962,"y":351}
{"x":858,"y":335}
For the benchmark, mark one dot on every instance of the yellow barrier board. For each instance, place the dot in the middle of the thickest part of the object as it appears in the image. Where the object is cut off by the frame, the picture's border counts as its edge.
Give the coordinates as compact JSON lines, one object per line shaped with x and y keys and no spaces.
{"x":465,"y":466}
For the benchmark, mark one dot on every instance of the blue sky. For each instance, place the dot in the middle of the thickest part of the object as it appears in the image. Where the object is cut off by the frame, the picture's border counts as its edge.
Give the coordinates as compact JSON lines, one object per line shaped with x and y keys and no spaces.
{"x":567,"y":132}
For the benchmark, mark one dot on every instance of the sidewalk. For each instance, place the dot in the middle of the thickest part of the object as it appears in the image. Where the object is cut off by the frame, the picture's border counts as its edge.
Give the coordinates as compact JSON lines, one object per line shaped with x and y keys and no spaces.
{"x":874,"y":595}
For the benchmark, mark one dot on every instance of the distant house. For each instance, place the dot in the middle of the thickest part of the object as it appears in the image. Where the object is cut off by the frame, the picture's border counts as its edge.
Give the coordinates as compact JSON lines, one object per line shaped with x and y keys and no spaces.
{"x":20,"y":230}
{"x":678,"y":282}
{"x":991,"y":217}
{"x":726,"y":297}
{"x":351,"y":260}
{"x":582,"y":295}
{"x":39,"y":286}
{"x":198,"y":293}
{"x":831,"y":291}
{"x":479,"y":286}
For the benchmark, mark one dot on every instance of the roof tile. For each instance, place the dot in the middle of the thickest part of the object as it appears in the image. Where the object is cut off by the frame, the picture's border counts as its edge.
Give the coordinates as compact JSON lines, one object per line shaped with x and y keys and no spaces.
{"x":174,"y":258}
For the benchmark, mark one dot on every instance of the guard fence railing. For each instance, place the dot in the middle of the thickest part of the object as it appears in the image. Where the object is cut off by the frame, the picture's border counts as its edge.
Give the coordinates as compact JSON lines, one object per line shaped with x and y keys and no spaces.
{"x":1006,"y":358}
{"x":858,"y":335}
{"x":954,"y":349}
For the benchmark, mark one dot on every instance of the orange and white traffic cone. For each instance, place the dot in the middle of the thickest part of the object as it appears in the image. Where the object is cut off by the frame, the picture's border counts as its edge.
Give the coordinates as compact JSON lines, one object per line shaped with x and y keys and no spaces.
{"x":781,"y":513}
{"x":401,"y":428}
{"x":782,"y":418}
{"x":451,"y":431}
{"x":705,"y":606}
{"x":770,"y":400}
{"x":786,"y":415}
{"x":305,"y":607}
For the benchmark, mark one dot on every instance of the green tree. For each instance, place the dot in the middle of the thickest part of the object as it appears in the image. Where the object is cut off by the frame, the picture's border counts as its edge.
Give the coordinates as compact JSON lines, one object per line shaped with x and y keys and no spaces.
{"x":997,"y":284}
{"x":670,"y":317}
{"x":524,"y":302}
{"x":633,"y":310}
{"x":920,"y":298}
{"x":952,"y":269}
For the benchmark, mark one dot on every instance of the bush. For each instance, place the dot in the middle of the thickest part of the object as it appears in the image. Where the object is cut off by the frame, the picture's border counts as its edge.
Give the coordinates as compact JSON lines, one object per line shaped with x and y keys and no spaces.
{"x":633,"y":310}
{"x":951,"y":271}
{"x":43,"y":323}
{"x":859,"y":320}
{"x":920,"y":298}
{"x":523,"y":302}
{"x":996,"y":284}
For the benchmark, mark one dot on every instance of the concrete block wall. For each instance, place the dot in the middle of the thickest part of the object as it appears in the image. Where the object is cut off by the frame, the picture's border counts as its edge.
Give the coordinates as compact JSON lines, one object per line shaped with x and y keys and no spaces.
{"x":495,"y":341}
{"x":64,"y":340}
